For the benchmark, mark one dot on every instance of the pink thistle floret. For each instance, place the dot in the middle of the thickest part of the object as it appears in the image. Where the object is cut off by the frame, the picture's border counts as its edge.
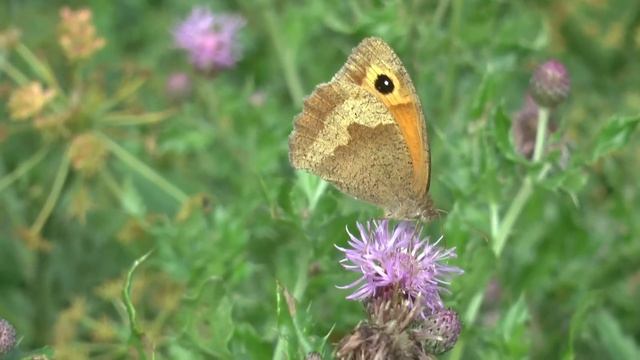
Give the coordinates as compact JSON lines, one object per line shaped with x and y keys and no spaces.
{"x":397,"y":259}
{"x":210,"y":39}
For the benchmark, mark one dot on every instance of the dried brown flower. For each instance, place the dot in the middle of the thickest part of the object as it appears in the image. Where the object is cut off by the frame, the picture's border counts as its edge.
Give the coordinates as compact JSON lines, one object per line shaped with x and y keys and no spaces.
{"x":77,"y":35}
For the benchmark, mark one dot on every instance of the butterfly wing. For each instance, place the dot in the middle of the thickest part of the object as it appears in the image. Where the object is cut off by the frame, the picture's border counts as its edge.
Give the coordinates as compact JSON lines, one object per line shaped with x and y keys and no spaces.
{"x":371,"y":145}
{"x":372,"y":60}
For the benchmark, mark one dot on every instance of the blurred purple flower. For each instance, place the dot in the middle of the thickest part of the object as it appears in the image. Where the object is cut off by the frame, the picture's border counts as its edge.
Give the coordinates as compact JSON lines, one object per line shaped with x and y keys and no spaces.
{"x":178,"y":86}
{"x":397,"y":260}
{"x":209,"y":39}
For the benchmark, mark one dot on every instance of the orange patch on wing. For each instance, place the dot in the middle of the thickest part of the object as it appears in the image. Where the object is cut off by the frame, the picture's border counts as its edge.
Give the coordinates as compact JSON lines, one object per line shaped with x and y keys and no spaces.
{"x":407,"y":117}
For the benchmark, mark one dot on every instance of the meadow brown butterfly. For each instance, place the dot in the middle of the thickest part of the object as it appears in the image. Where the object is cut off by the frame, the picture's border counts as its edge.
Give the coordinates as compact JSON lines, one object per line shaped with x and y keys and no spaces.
{"x":364,"y":132}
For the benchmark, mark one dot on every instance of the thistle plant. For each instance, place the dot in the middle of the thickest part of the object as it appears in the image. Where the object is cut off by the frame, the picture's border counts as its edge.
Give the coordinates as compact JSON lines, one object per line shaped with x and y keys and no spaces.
{"x":549,"y":87}
{"x":402,"y":278}
{"x":71,"y":122}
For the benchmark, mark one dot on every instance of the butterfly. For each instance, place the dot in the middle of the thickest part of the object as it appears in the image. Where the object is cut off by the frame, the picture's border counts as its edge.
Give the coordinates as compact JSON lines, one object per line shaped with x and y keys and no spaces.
{"x":364,"y":132}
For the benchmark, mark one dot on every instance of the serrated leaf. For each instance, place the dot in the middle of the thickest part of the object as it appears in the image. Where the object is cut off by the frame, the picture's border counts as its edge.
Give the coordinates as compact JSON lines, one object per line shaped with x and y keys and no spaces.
{"x":222,"y":328}
{"x":502,"y":134}
{"x":614,"y":135}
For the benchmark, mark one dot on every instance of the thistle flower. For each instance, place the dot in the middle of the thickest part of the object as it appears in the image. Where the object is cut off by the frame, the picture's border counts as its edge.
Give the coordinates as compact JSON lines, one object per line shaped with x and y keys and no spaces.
{"x":397,"y":260}
{"x":550,"y":84}
{"x":29,"y":100}
{"x":7,"y":336}
{"x":209,"y":39}
{"x":77,"y":35}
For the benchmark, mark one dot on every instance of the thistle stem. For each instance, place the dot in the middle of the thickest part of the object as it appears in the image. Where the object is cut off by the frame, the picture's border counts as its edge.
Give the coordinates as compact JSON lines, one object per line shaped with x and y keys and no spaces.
{"x":518,"y":203}
{"x":526,"y":189}
{"x":541,"y":133}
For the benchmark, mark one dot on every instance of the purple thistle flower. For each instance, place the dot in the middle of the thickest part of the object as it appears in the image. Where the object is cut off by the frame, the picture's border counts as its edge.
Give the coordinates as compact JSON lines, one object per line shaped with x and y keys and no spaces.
{"x":210,"y":39}
{"x":397,"y":259}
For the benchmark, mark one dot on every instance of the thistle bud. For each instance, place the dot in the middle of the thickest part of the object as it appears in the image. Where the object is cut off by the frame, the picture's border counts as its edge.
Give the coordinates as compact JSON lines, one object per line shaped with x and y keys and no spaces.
{"x":440,"y":331}
{"x":7,"y":336}
{"x":550,"y":84}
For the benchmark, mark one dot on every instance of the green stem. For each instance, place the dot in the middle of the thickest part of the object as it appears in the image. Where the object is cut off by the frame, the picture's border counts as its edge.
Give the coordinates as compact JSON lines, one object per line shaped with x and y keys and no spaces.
{"x":23,"y":168}
{"x":298,"y":292}
{"x":38,"y":66}
{"x":143,"y":169}
{"x":504,"y":230}
{"x":438,"y":15}
{"x":541,"y":134}
{"x":287,"y":61}
{"x":526,"y":189}
{"x":456,"y":20}
{"x":495,"y":218}
{"x":54,"y":195}
{"x":16,"y":75}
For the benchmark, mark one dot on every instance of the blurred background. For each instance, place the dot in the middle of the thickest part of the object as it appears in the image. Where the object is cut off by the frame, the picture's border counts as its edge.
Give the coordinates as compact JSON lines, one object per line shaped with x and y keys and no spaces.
{"x":120,"y":137}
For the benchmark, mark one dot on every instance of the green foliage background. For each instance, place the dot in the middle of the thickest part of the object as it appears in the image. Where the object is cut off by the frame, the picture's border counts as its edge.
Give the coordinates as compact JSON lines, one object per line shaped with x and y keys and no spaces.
{"x":565,"y":286}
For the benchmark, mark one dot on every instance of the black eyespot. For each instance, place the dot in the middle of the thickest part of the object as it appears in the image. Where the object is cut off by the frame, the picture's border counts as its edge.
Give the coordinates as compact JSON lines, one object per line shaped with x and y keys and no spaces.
{"x":384,"y":84}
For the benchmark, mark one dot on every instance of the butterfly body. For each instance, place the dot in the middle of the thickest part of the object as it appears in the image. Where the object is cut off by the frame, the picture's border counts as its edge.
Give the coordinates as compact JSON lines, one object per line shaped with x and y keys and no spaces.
{"x":364,"y":132}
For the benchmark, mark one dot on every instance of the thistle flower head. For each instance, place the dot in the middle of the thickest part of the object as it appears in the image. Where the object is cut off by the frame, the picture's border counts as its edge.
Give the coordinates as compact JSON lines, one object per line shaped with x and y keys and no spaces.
{"x":77,"y":35}
{"x":7,"y":336}
{"x":396,"y":260}
{"x":550,"y":84}
{"x":209,"y":39}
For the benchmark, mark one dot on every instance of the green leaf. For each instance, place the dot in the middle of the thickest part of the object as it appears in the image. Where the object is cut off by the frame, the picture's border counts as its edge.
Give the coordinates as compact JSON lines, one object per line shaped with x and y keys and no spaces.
{"x":515,"y":319}
{"x":617,"y":343}
{"x":222,"y":328}
{"x":577,"y":322}
{"x":482,"y":95}
{"x":502,"y":135}
{"x":131,"y":200}
{"x":614,"y":135}
{"x":136,"y":331}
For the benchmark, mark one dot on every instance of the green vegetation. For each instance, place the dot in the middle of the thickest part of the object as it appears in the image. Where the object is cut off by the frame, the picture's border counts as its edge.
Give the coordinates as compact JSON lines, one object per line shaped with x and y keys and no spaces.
{"x":141,"y":221}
